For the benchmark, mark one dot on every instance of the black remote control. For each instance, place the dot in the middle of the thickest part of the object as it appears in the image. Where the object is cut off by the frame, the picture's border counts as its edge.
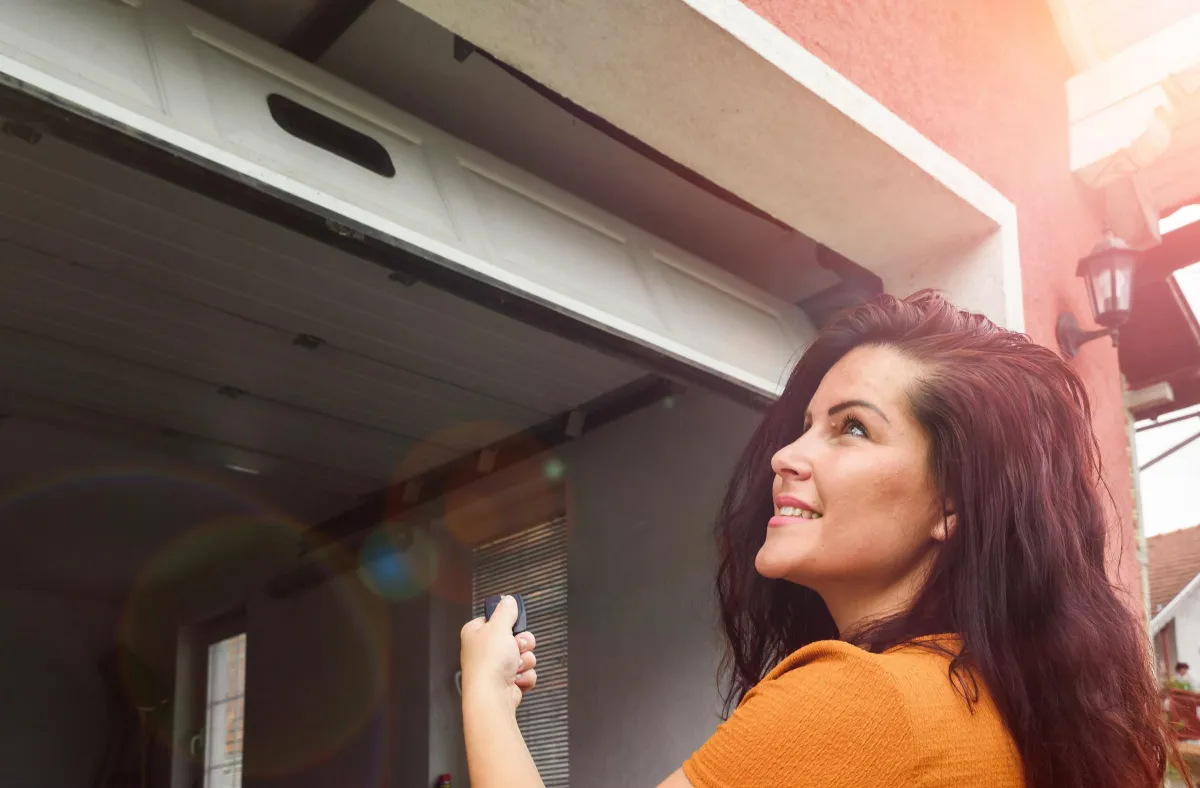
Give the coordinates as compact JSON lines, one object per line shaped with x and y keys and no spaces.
{"x":489,"y":607}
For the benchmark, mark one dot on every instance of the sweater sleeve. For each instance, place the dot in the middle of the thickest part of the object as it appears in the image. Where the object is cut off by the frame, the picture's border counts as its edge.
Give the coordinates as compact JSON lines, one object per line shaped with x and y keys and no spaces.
{"x":826,"y":717}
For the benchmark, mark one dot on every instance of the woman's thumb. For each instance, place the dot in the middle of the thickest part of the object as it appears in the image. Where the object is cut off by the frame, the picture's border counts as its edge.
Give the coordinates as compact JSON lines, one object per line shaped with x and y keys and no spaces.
{"x":506,"y":612}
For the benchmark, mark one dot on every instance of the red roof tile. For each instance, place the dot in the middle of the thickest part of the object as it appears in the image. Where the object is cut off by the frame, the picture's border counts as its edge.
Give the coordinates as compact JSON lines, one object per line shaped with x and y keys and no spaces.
{"x":1174,"y":561}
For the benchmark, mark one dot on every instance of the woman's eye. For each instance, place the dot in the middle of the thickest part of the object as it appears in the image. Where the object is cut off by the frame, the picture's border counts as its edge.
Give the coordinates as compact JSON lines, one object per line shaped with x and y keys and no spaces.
{"x":852,"y":426}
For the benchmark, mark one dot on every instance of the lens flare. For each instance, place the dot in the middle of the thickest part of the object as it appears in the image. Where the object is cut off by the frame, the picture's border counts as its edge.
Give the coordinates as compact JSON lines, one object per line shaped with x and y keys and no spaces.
{"x":397,"y":561}
{"x":321,"y":665}
{"x":318,"y":662}
{"x":554,"y":469}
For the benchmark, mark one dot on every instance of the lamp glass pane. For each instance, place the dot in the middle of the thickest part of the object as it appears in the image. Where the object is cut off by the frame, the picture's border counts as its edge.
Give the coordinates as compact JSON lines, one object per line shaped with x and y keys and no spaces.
{"x":1123,"y":276}
{"x":1100,"y":286}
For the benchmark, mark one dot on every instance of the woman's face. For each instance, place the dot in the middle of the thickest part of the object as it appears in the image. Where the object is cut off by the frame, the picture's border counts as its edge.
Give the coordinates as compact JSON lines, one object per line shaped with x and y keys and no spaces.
{"x":857,"y":518}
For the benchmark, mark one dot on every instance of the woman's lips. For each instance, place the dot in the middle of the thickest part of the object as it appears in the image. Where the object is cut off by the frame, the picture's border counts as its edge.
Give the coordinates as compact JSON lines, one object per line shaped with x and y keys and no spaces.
{"x":789,"y":509}
{"x":781,"y":520}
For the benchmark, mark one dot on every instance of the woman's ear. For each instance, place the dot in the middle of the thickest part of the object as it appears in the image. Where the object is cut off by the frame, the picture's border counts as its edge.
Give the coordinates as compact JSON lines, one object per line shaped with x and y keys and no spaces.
{"x":944,"y":529}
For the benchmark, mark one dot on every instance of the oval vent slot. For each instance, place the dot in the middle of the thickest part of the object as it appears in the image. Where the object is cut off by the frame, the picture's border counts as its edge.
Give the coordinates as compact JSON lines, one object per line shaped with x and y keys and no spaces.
{"x":329,"y":135}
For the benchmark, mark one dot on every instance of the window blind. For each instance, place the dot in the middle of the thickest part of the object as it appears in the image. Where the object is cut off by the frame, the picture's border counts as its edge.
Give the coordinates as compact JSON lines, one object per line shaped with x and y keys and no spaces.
{"x":533,"y":562}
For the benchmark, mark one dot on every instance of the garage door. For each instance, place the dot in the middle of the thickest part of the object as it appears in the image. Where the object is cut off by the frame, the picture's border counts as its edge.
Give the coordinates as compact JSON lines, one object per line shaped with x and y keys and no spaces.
{"x":169,"y":74}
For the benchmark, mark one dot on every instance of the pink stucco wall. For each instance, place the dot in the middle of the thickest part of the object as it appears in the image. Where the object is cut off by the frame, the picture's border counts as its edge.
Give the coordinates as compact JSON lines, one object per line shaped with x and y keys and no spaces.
{"x":985,"y":81}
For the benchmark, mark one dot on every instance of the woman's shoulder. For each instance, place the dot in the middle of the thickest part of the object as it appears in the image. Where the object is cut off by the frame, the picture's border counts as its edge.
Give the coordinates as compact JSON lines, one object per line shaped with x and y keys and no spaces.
{"x":839,"y":667}
{"x":914,"y":678}
{"x":833,"y":714}
{"x":904,"y":670}
{"x":949,"y":723}
{"x":851,"y":686}
{"x":827,"y":715}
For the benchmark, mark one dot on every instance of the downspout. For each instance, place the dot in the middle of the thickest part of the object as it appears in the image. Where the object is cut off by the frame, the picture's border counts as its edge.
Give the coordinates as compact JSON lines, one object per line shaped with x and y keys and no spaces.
{"x":1143,"y":556}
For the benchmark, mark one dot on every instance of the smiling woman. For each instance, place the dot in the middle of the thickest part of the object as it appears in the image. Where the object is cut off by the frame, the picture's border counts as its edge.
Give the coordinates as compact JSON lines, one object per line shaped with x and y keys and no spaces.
{"x":912,"y":581}
{"x":857,"y":517}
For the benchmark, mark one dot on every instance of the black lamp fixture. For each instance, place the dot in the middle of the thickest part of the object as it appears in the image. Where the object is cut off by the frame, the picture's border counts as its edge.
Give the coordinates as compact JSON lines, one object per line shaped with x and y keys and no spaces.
{"x":1108,"y":274}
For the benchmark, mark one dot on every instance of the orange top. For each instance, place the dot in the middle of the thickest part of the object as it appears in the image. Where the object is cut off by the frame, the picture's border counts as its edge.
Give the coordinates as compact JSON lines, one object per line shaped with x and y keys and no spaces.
{"x":835,"y":715}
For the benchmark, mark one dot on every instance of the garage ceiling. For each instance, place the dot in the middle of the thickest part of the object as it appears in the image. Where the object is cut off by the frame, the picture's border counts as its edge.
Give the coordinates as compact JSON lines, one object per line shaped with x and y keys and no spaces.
{"x":129,"y":302}
{"x":87,"y":516}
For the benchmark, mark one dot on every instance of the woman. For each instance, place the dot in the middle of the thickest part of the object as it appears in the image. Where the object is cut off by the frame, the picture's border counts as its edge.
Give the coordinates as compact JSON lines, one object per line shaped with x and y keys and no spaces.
{"x":912,"y":581}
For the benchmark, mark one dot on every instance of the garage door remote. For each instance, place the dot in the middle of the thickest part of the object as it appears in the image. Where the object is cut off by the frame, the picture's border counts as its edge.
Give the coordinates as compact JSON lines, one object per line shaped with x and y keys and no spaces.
{"x":489,"y":607}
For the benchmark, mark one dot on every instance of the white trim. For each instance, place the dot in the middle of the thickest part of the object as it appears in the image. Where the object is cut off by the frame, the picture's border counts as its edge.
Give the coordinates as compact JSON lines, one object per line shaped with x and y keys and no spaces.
{"x":1165,"y":616}
{"x":791,"y":58}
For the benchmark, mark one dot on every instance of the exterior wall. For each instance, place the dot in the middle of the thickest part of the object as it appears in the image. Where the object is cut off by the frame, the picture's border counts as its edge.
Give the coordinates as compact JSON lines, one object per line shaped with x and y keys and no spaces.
{"x":53,"y":730}
{"x":644,"y":640}
{"x":987,"y":84}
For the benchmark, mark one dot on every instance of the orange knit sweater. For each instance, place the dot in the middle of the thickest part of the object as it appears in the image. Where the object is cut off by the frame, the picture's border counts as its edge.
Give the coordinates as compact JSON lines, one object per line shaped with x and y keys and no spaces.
{"x":835,"y":715}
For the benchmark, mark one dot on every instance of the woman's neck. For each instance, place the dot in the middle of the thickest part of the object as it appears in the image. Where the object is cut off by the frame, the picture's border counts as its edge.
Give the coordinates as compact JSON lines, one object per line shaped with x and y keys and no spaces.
{"x":855,"y":607}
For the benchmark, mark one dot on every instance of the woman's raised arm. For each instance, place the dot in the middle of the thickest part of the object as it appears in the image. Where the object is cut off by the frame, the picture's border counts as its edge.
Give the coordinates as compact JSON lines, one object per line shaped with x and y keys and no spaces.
{"x":498,"y":669}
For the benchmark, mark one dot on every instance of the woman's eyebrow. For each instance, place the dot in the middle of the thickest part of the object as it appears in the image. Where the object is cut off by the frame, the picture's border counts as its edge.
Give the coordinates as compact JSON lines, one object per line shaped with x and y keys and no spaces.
{"x":857,"y":403}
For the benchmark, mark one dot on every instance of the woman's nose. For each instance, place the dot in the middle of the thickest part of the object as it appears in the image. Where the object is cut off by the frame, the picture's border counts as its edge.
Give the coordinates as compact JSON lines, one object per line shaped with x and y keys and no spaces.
{"x":791,"y":462}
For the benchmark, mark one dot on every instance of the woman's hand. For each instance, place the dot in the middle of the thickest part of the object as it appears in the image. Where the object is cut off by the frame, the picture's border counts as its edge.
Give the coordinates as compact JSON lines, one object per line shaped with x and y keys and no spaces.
{"x":493,"y":660}
{"x":497,"y":671}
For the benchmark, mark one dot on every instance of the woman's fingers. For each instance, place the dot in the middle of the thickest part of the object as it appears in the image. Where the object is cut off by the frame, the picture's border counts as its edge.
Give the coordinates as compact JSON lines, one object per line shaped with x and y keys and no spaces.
{"x":526,"y":675}
{"x":526,"y":680}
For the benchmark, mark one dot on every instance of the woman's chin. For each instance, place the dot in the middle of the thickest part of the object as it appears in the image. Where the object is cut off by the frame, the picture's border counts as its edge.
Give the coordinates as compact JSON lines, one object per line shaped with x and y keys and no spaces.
{"x":768,"y":565}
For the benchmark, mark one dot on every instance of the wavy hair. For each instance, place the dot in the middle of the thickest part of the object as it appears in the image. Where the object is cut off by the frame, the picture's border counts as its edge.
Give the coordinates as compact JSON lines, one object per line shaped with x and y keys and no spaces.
{"x":1022,"y":578}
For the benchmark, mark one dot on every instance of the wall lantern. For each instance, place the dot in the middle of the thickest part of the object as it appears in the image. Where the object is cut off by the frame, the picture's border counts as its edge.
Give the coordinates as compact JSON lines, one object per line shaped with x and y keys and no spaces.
{"x":1108,"y":274}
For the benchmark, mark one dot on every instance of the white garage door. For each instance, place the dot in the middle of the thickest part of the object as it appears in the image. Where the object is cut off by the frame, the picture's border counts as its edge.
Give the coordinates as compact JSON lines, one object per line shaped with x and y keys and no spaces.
{"x":171,"y":74}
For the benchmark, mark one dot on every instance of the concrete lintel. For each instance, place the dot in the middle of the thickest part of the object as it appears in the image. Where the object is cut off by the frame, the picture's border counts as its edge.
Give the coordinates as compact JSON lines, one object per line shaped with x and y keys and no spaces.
{"x":717,"y":88}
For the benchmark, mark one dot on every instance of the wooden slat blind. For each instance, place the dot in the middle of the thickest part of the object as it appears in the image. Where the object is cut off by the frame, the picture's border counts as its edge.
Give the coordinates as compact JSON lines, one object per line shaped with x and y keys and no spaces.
{"x":533,"y":562}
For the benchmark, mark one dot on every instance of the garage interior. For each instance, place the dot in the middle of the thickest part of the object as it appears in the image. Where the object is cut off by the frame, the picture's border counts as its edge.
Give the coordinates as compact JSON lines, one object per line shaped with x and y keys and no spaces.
{"x":220,"y":431}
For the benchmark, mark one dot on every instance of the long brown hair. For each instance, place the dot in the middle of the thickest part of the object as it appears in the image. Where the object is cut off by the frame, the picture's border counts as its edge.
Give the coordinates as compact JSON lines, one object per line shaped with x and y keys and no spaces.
{"x":1022,"y":578}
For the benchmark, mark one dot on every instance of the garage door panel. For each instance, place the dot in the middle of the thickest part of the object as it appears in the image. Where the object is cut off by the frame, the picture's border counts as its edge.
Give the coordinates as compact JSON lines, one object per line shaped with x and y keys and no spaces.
{"x":563,"y":249}
{"x":100,"y":44}
{"x":236,"y":88}
{"x":746,"y":319}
